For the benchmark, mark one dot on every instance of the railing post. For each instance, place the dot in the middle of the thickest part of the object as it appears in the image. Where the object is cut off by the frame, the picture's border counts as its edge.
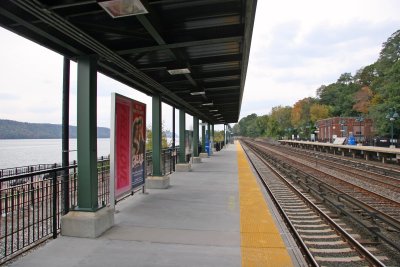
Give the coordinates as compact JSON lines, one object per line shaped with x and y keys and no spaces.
{"x":1,"y":200}
{"x":170,"y":161}
{"x":5,"y":223}
{"x":32,"y":189}
{"x":54,"y":203}
{"x":103,"y":202}
{"x":74,"y":191}
{"x":12,"y":221}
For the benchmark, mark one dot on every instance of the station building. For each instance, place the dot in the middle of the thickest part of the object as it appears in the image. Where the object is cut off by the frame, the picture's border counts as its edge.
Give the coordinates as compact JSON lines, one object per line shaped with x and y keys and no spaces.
{"x":330,"y":128}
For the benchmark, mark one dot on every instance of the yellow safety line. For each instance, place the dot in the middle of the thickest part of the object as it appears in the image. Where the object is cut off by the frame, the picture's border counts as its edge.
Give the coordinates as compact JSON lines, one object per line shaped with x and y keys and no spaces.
{"x":261,"y":242}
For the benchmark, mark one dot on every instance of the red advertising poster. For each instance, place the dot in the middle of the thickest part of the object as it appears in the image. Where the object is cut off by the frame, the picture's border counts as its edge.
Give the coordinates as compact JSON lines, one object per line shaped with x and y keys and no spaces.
{"x":138,"y":143}
{"x":128,"y":145}
{"x":122,"y":145}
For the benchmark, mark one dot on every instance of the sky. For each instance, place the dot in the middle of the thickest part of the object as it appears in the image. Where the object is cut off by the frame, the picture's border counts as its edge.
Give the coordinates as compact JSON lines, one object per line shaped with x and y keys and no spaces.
{"x":297,"y":46}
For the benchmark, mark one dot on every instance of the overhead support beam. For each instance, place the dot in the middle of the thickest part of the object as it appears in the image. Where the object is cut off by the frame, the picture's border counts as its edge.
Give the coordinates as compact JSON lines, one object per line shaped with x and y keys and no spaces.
{"x":87,"y":2}
{"x":181,"y":4}
{"x":223,"y":88}
{"x":180,"y":45}
{"x":236,"y":58}
{"x":154,"y":32}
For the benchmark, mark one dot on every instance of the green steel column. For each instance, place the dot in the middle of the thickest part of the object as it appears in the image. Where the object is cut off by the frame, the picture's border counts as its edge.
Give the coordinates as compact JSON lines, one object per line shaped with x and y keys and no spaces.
{"x":212,"y":131}
{"x":209,"y":134}
{"x":156,"y":134}
{"x":182,"y":156}
{"x":203,"y":138}
{"x":224,"y":135}
{"x":65,"y":137}
{"x":173,"y":137}
{"x":213,"y":141}
{"x":195,"y":136}
{"x":87,"y":134}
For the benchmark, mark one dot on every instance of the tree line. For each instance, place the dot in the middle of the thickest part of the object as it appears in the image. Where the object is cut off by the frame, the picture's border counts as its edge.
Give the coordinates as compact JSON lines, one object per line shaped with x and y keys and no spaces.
{"x":372,"y":92}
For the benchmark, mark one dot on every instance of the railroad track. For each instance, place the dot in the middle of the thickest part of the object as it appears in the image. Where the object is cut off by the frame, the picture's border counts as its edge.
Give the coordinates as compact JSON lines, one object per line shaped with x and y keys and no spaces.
{"x":323,"y":240}
{"x":388,"y":182}
{"x":392,"y":171}
{"x":375,"y":201}
{"x":377,"y":215}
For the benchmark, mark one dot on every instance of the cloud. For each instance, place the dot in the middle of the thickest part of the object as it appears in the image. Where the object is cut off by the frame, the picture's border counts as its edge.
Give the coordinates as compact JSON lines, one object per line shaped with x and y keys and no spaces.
{"x":298,"y":56}
{"x":297,"y":46}
{"x":8,"y":96}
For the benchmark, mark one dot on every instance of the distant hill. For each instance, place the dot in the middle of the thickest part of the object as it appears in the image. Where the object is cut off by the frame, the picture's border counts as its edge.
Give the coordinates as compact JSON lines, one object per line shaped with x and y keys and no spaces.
{"x":23,"y":130}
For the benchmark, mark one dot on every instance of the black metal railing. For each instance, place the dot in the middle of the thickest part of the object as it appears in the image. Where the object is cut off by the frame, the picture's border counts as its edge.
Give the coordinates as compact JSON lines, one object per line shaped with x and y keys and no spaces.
{"x":31,"y":204}
{"x":29,"y":210}
{"x":33,"y":199}
{"x":25,"y":169}
{"x":169,"y":158}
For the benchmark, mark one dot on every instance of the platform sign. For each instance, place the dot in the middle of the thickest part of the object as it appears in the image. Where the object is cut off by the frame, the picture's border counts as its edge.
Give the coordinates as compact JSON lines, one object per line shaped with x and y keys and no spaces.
{"x":207,"y":145}
{"x":127,"y":153}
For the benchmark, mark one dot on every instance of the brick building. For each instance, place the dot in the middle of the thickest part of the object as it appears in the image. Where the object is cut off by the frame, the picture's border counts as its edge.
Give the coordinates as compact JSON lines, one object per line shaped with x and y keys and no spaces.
{"x":330,"y":128}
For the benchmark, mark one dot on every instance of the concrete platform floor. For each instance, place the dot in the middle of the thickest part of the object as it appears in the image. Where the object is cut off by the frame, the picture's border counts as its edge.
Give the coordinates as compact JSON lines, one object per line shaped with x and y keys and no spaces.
{"x":193,"y":223}
{"x":196,"y":222}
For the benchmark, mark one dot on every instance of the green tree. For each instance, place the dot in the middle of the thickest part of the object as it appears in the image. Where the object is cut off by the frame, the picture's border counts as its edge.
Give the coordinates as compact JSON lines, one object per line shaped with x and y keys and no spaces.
{"x":279,"y":122}
{"x":318,"y":112}
{"x":247,"y":124}
{"x":218,"y":136}
{"x":149,"y":137}
{"x":300,"y":116}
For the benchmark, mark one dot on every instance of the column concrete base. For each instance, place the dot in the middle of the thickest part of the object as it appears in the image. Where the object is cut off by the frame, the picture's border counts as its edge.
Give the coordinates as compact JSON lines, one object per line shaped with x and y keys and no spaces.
{"x":183,"y":167}
{"x":87,"y":224}
{"x":203,"y":155}
{"x":157,"y":182}
{"x":196,"y":159}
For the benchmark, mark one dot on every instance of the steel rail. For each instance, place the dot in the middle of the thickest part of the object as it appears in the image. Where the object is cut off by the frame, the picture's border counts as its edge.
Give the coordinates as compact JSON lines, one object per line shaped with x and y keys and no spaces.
{"x":343,"y":195}
{"x":357,"y":246}
{"x":341,"y":163}
{"x":362,"y":190}
{"x":303,"y":247}
{"x":354,"y":201}
{"x":387,"y":168}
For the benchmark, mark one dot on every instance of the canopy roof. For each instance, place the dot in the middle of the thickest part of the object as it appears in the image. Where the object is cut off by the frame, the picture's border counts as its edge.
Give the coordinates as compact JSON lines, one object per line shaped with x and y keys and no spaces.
{"x":209,"y":39}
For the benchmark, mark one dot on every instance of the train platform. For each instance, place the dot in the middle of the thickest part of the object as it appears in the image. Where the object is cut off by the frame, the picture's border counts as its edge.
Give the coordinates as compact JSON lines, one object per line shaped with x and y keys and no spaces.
{"x":216,"y":215}
{"x":382,"y":153}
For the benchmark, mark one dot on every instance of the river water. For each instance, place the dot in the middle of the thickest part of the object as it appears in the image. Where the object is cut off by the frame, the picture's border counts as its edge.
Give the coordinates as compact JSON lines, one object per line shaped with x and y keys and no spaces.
{"x":23,"y":152}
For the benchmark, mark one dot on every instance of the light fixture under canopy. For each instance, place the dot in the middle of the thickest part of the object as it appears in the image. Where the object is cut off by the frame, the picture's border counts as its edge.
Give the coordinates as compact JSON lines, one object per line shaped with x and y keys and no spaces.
{"x":123,"y":8}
